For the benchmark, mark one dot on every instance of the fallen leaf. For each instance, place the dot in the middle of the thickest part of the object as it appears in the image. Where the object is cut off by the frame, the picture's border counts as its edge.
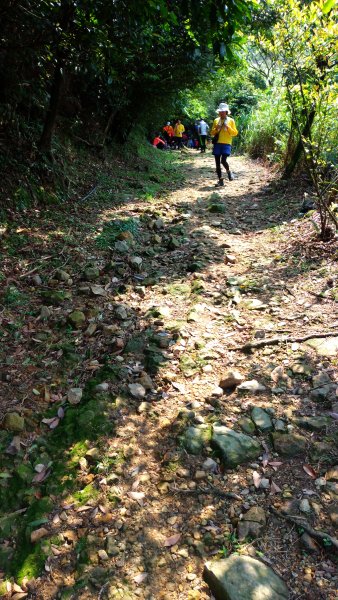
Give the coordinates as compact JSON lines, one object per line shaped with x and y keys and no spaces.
{"x":274,"y":464}
{"x":265,"y":459}
{"x":138,"y":496}
{"x":310,"y":471}
{"x":135,"y":471}
{"x":179,"y":386}
{"x":52,"y":423}
{"x":42,"y":475}
{"x":172,"y":540}
{"x":61,"y":412}
{"x":38,"y":534}
{"x":47,"y":421}
{"x":334,"y":415}
{"x":135,"y":484}
{"x":274,"y":489}
{"x":140,"y":578}
{"x":256,"y":477}
{"x":98,"y":290}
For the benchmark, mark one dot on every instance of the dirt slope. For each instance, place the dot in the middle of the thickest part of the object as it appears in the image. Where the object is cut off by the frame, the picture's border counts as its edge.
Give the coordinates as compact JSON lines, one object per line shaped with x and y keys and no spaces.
{"x":177,"y":286}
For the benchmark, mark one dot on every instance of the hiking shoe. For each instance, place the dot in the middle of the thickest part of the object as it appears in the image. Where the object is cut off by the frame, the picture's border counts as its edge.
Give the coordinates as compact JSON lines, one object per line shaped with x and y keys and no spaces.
{"x":230,"y":176}
{"x":220,"y":183}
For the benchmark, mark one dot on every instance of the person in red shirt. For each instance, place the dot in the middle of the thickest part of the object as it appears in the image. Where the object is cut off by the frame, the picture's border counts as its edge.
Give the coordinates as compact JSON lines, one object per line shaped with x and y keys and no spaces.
{"x":158,"y":142}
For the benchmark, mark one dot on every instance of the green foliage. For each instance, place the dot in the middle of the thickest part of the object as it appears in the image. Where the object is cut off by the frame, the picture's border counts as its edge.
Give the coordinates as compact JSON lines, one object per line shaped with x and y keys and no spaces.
{"x":113,"y":229}
{"x":267,"y":130}
{"x":100,"y":59}
{"x":13,"y":296}
{"x":231,"y":83}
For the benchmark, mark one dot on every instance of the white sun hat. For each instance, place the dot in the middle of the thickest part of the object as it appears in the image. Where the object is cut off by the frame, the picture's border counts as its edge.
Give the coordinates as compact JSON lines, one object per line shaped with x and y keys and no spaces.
{"x":223,"y":108}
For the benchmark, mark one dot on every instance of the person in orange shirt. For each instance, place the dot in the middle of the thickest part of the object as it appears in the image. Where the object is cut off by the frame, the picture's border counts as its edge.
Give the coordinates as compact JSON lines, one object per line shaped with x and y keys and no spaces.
{"x":168,"y":133}
{"x":222,"y":132}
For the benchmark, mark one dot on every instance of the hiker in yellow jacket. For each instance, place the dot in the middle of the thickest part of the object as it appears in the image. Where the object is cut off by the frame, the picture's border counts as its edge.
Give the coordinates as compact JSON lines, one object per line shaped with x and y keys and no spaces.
{"x":222,"y":132}
{"x":179,"y":129}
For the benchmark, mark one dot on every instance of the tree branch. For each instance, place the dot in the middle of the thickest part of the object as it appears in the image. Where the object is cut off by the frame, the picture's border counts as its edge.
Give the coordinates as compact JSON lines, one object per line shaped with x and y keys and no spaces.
{"x":281,"y":340}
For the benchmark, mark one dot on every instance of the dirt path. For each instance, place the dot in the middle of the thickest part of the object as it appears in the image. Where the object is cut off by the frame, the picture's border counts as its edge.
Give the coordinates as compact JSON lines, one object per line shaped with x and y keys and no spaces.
{"x":134,"y":513}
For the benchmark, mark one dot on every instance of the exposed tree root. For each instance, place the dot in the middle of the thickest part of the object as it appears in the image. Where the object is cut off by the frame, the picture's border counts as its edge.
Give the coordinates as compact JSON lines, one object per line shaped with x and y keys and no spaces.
{"x":282,"y":340}
{"x":319,"y":535}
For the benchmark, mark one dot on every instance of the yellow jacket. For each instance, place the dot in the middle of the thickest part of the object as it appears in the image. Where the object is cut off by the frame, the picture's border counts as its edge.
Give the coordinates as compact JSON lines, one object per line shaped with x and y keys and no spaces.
{"x":178,"y":130}
{"x":226,"y":133}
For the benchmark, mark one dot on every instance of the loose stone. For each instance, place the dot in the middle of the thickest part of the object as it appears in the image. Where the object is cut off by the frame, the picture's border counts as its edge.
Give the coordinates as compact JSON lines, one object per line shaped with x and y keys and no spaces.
{"x":137,"y":390}
{"x":243,"y":577}
{"x":261,"y":419}
{"x":289,"y":444}
{"x":74,"y":395}
{"x":14,"y":422}
{"x":251,"y":386}
{"x":231,"y":379}
{"x":235,"y":448}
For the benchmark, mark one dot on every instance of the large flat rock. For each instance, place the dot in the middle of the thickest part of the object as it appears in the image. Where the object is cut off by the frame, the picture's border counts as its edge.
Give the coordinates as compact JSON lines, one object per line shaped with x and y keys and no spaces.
{"x":235,"y":448}
{"x":289,"y":444}
{"x":243,"y":578}
{"x":324,"y":346}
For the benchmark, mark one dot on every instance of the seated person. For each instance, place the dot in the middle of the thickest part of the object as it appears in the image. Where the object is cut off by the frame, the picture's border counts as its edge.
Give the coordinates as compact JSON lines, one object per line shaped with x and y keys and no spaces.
{"x":158,"y":142}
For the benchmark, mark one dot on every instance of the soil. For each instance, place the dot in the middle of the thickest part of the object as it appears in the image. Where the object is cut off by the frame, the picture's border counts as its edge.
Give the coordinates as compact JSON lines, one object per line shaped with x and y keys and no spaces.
{"x":182,"y":316}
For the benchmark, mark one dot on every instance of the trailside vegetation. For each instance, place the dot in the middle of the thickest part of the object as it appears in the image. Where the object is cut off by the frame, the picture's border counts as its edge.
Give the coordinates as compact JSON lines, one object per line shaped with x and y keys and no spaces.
{"x":96,"y":68}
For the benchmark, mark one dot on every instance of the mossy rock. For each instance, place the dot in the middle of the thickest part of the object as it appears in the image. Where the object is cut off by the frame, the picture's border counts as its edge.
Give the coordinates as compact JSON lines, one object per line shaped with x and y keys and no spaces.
{"x":25,"y":472}
{"x":215,"y":197}
{"x":289,"y":444}
{"x":77,"y":318}
{"x":195,"y":439}
{"x":217,"y":208}
{"x":188,"y":365}
{"x":14,"y":422}
{"x":324,"y":452}
{"x":153,"y":360}
{"x":91,"y":273}
{"x":136,"y":344}
{"x":197,"y":286}
{"x":247,"y":425}
{"x":89,"y":492}
{"x":178,"y":289}
{"x":55,"y":297}
{"x":195,"y":266}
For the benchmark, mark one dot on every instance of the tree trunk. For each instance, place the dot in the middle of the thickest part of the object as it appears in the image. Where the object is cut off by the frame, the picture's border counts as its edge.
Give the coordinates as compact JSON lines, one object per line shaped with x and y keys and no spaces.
{"x":45,"y":141}
{"x":290,"y":167}
{"x":65,"y":18}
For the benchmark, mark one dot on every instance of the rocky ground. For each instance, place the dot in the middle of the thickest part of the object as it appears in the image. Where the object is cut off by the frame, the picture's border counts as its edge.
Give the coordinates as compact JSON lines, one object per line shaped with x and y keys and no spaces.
{"x":169,"y":398}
